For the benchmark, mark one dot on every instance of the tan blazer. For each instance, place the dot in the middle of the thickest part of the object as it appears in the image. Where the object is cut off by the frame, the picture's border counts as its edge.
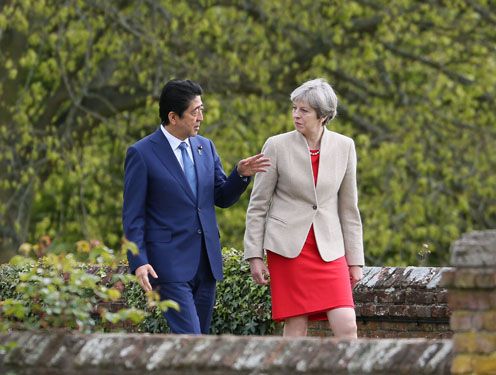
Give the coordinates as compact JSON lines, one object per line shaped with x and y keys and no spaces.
{"x":284,"y":202}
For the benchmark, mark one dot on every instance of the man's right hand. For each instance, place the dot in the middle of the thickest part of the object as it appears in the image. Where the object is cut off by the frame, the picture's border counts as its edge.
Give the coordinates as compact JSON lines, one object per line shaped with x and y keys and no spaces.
{"x":142,"y":275}
{"x":259,"y":271}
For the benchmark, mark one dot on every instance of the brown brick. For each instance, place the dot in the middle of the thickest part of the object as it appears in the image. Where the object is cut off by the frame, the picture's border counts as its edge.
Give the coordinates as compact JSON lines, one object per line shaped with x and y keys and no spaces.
{"x":319,"y":332}
{"x":474,"y":342}
{"x":366,"y":333}
{"x":440,"y":311}
{"x":442,"y":296}
{"x":363,"y":294}
{"x":410,"y":295}
{"x":461,"y":321}
{"x":486,"y":279}
{"x":423,"y":311}
{"x":492,"y":298}
{"x":478,"y":321}
{"x":382,"y":310}
{"x":321,"y":328}
{"x":485,"y":364}
{"x":446,"y":334}
{"x":486,"y":343}
{"x":383,"y":297}
{"x":427,"y":327}
{"x":371,"y":326}
{"x":419,"y":297}
{"x":489,"y":320}
{"x":318,"y":324}
{"x":398,"y":327}
{"x":465,"y":342}
{"x":397,"y":310}
{"x":465,"y":278}
{"x":428,"y":298}
{"x":447,"y":278}
{"x":462,"y":364}
{"x":399,"y":296}
{"x":367,"y":309}
{"x":394,"y":334}
{"x":411,"y":311}
{"x":469,"y":300}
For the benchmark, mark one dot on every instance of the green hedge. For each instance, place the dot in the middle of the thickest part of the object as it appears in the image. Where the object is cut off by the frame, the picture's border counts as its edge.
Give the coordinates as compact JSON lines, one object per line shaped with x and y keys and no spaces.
{"x":57,"y":291}
{"x":242,"y":307}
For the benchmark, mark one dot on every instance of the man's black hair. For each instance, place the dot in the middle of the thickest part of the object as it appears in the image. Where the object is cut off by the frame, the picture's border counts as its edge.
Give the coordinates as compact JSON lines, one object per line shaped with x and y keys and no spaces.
{"x":176,"y":97}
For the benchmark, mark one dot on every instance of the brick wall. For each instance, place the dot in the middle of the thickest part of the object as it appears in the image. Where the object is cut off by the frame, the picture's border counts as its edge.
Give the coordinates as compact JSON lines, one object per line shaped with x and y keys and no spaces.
{"x":399,"y":302}
{"x":471,"y":288}
{"x":472,"y":298}
{"x":406,"y":302}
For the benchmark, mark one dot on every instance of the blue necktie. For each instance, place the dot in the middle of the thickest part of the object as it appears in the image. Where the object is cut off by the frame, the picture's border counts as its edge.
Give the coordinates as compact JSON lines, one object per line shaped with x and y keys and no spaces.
{"x":189,"y":168}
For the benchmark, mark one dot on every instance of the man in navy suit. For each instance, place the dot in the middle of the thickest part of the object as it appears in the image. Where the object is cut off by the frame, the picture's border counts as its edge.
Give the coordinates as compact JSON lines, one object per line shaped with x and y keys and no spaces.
{"x":173,"y":181}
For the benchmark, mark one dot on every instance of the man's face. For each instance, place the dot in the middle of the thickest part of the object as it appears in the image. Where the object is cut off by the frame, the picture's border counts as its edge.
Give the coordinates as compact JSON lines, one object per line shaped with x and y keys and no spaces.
{"x":189,"y":124}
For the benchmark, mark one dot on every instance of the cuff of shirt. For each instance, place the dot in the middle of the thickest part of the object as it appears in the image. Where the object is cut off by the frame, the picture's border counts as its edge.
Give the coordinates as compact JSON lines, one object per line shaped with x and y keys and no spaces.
{"x":244,"y":178}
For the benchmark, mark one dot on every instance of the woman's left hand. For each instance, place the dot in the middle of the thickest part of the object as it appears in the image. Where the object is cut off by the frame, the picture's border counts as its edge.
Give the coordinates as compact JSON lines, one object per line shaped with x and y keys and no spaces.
{"x":356,"y":274}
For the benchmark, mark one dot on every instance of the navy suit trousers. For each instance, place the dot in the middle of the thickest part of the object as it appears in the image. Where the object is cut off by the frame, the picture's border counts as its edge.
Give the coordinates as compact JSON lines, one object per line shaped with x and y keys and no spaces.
{"x":196,"y":299}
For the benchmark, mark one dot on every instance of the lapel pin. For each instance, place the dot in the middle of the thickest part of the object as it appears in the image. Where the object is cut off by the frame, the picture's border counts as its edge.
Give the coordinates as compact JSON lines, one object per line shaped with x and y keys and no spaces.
{"x":200,"y":150}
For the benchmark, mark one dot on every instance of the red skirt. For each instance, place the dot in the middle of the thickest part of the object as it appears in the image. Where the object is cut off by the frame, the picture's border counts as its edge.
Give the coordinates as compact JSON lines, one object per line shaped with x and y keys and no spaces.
{"x":306,"y":285}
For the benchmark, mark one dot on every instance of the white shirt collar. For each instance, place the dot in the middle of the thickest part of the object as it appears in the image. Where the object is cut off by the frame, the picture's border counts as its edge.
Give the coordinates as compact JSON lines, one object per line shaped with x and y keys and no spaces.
{"x":173,"y":141}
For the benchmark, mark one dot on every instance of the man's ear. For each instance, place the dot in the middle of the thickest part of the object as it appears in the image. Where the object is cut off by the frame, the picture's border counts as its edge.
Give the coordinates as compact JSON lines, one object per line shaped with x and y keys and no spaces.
{"x":172,"y":117}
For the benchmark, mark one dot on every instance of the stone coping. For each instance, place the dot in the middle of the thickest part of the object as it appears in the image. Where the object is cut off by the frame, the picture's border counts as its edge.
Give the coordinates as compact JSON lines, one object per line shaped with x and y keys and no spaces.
{"x":71,"y":353}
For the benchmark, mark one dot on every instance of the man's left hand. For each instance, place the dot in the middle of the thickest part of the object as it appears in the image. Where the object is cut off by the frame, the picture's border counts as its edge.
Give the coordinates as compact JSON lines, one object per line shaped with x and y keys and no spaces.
{"x":252,"y":165}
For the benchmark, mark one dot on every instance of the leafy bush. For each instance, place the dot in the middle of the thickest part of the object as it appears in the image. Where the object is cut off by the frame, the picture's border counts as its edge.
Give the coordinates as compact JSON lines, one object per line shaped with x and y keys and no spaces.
{"x":154,"y":322}
{"x":57,"y":291}
{"x":242,"y":307}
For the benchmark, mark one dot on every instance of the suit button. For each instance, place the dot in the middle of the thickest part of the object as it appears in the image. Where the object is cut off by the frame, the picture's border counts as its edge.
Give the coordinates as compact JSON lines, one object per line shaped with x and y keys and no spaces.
{"x":199,"y":231}
{"x":314,"y":207}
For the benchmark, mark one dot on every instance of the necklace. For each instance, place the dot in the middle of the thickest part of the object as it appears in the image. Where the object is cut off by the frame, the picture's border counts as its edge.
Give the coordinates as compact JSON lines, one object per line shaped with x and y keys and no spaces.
{"x":314,"y":152}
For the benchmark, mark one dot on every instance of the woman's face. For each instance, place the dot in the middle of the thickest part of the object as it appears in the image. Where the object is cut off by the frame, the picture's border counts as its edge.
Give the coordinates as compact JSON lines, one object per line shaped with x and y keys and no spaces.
{"x":305,"y":118}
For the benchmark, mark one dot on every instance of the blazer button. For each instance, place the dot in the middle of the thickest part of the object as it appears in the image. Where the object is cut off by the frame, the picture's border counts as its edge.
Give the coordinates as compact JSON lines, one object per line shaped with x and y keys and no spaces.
{"x":314,"y":207}
{"x":199,"y":231}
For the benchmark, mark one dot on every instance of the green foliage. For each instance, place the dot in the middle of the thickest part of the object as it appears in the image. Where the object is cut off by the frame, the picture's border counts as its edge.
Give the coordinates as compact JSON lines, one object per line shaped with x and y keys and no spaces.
{"x":56,"y":291}
{"x":242,"y":307}
{"x":154,"y":322}
{"x":416,"y":82}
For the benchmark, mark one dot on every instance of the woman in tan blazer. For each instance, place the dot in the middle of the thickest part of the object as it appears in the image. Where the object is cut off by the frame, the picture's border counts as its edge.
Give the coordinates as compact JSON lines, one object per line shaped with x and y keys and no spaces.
{"x":303,"y":214}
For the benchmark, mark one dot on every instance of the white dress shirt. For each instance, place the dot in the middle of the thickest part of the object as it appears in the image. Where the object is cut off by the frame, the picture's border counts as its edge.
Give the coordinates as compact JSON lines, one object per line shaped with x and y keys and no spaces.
{"x":175,"y":142}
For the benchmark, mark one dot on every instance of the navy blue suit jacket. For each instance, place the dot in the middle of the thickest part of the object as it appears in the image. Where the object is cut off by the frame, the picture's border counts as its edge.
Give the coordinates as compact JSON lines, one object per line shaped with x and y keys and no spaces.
{"x":161,"y":215}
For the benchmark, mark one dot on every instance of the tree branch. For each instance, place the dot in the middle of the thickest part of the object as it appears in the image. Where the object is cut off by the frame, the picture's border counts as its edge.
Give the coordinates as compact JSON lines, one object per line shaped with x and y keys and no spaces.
{"x":454,"y":76}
